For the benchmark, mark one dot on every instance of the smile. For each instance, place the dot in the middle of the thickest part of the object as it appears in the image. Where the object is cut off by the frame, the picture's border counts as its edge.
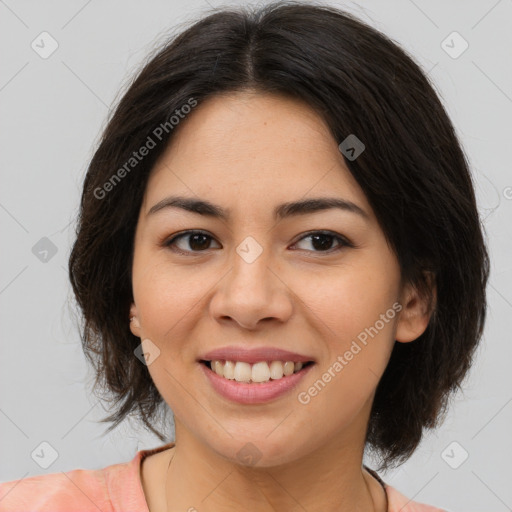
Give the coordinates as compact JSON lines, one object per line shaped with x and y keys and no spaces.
{"x":259,"y":372}
{"x":265,"y":388}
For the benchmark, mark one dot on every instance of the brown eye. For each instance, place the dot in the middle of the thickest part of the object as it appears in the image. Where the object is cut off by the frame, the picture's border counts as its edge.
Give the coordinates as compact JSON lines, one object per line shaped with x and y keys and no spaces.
{"x":322,"y":241}
{"x":194,"y":241}
{"x":198,"y":241}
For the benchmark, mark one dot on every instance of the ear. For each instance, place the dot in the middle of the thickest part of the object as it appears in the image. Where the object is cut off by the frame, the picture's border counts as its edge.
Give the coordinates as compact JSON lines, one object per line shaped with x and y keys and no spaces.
{"x":134,"y":320}
{"x":416,"y":310}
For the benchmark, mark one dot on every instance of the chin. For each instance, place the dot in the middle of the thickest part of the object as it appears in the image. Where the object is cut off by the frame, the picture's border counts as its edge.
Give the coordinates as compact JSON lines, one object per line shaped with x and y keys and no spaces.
{"x":260,"y":451}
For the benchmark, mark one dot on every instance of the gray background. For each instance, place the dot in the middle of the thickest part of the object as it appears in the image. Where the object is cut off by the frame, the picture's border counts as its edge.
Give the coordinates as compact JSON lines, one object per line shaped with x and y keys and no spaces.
{"x":52,"y":112}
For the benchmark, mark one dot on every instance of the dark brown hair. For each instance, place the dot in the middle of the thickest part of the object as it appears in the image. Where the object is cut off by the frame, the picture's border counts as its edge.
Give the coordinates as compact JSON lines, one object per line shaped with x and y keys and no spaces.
{"x":413,"y":171}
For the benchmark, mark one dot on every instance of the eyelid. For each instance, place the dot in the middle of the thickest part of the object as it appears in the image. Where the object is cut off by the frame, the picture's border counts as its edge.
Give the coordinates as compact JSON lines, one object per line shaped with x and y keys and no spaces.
{"x":343,"y":240}
{"x":177,"y":236}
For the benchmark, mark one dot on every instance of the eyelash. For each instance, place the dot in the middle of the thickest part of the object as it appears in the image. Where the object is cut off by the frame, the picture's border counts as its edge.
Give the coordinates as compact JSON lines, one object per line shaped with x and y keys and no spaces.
{"x":344,"y":242}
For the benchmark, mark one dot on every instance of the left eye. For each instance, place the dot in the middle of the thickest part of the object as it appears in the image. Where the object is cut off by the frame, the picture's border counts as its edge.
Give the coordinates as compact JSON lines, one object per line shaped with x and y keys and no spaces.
{"x":199,"y":241}
{"x":323,"y":241}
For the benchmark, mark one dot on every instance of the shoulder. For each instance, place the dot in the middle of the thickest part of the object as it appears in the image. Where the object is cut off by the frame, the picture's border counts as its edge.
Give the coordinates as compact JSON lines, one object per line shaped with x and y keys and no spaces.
{"x":75,"y":489}
{"x":79,"y":490}
{"x":398,"y":502}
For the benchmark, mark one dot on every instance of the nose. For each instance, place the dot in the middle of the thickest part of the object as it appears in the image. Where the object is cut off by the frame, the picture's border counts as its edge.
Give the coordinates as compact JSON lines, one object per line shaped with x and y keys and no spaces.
{"x":252,"y":293}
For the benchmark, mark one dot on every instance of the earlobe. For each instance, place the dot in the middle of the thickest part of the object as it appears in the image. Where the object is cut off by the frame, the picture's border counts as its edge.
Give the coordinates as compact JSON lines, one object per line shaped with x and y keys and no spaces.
{"x":134,"y":321}
{"x":416,"y":312}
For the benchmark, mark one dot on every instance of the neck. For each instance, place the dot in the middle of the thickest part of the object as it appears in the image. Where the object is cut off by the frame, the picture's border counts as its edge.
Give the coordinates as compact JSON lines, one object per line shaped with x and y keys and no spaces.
{"x":329,"y":478}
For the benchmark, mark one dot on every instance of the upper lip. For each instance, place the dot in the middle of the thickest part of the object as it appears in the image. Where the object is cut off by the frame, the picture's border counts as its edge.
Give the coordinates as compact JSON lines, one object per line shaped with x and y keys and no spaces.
{"x":253,"y":355}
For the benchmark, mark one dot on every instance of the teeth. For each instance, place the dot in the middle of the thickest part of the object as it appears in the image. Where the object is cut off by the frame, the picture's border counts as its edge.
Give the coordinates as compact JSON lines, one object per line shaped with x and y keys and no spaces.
{"x":288,"y":368}
{"x":260,"y":372}
{"x":242,"y":371}
{"x":257,"y":372}
{"x":276,"y":370}
{"x":217,"y":367}
{"x":229,"y":370}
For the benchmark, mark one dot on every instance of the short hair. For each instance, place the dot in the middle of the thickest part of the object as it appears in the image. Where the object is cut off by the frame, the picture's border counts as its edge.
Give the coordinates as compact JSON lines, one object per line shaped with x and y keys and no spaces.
{"x":413,"y":172}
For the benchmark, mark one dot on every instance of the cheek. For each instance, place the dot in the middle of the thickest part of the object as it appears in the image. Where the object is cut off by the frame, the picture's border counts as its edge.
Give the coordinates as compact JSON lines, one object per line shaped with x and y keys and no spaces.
{"x":354,"y":315}
{"x":346,"y":303}
{"x":167,"y":301}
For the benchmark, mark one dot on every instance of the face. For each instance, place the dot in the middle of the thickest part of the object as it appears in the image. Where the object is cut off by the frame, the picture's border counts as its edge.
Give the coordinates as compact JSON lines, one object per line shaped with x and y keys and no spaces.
{"x":320,"y":283}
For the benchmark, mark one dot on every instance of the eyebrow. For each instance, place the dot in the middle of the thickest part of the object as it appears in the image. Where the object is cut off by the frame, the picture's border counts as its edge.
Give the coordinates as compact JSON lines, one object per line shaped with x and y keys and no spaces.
{"x":290,"y":209}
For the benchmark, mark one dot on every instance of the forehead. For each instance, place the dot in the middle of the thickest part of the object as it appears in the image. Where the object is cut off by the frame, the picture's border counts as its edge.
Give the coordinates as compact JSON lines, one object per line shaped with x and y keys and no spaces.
{"x":252,"y":148}
{"x":247,"y":125}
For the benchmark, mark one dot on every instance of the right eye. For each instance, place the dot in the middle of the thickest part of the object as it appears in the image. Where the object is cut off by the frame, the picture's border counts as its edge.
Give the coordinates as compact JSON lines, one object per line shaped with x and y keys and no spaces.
{"x":198,"y":241}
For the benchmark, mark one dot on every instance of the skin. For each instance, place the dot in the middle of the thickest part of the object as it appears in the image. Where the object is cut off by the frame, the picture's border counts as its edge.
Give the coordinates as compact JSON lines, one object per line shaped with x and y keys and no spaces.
{"x":250,"y":152}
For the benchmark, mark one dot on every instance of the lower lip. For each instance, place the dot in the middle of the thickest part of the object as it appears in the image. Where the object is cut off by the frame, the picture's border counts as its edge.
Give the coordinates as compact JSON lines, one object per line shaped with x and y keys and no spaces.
{"x":256,"y":393}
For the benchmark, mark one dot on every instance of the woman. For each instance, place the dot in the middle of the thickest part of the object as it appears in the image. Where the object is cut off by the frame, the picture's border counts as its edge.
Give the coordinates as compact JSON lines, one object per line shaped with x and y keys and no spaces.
{"x":279,"y":240}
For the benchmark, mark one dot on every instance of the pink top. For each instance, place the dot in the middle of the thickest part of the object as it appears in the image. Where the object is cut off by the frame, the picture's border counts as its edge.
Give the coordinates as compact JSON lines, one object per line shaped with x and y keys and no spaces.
{"x":115,"y":488}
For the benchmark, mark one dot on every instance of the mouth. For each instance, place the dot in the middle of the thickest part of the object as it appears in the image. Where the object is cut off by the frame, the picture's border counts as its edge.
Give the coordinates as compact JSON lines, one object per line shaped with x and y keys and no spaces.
{"x":255,"y":373}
